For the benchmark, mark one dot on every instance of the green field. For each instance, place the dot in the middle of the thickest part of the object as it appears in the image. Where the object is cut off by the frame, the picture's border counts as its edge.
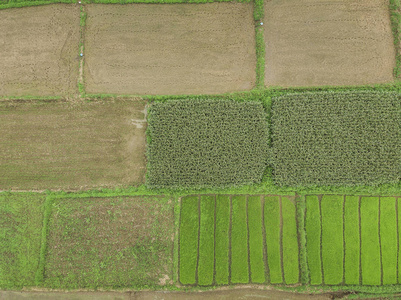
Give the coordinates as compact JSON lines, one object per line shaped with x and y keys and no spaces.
{"x":352,"y":240}
{"x":21,"y":220}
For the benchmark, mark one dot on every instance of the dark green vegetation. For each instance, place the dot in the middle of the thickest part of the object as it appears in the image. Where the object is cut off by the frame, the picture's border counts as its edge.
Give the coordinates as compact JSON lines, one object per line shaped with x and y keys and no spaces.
{"x":110,"y":243}
{"x":395,"y":18}
{"x":199,"y":143}
{"x":189,"y":230}
{"x":345,"y":138}
{"x":352,"y":242}
{"x":21,"y":219}
{"x":258,"y":237}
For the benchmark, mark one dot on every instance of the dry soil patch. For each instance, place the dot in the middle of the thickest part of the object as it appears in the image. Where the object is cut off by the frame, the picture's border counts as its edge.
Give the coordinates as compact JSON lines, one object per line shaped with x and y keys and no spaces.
{"x":323,"y":42}
{"x":39,"y":50}
{"x":59,"y":145}
{"x":169,"y":49}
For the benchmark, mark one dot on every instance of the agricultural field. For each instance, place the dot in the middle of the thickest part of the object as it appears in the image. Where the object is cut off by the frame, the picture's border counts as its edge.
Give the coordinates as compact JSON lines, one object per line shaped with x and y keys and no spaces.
{"x":64,"y":145}
{"x":198,"y":143}
{"x":21,"y":219}
{"x":319,"y":42}
{"x":352,"y":240}
{"x":238,"y":239}
{"x":110,"y":242}
{"x":39,"y":51}
{"x":169,"y":49}
{"x":343,"y":138}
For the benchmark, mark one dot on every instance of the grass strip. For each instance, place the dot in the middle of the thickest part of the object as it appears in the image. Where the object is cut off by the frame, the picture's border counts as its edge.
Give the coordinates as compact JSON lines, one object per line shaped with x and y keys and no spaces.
{"x":395,"y":19}
{"x":399,"y":238}
{"x":12,"y":4}
{"x":256,"y":240}
{"x":351,"y":234}
{"x":206,"y":241}
{"x":301,"y":206}
{"x":290,"y":242}
{"x":239,"y":241}
{"x":370,"y":248}
{"x":388,"y":239}
{"x":222,"y":238}
{"x":272,"y":225}
{"x":332,"y":239}
{"x":313,"y":229}
{"x":189,"y":239}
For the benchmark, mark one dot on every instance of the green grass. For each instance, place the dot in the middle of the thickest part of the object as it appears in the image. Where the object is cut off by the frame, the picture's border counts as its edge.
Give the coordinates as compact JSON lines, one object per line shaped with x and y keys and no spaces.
{"x":395,"y":18}
{"x":256,"y":247}
{"x":239,"y":241}
{"x":370,"y":248}
{"x":313,"y":231}
{"x":290,"y":242}
{"x":260,"y":57}
{"x":18,"y":4}
{"x":189,"y":239}
{"x":222,"y":238}
{"x":388,"y":239}
{"x":351,"y":234}
{"x":332,"y":239}
{"x":399,"y":238}
{"x":272,"y":226}
{"x":206,"y":241}
{"x":119,"y":242}
{"x":21,"y":219}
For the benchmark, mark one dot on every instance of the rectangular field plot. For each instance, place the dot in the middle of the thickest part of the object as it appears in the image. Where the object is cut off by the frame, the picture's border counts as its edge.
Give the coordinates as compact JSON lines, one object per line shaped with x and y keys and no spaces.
{"x":21,"y":219}
{"x":352,"y":240}
{"x":39,"y":50}
{"x":110,"y":242}
{"x":60,"y":145}
{"x":320,"y":42}
{"x":336,"y":138}
{"x":170,"y":49}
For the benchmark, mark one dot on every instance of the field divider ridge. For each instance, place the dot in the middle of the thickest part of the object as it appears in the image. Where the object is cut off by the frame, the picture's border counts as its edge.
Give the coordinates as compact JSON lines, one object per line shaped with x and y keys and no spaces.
{"x":380,"y":243}
{"x":267,"y":270}
{"x":281,"y":241}
{"x":321,"y":234}
{"x":302,"y":255}
{"x":82,"y":27}
{"x":176,"y":247}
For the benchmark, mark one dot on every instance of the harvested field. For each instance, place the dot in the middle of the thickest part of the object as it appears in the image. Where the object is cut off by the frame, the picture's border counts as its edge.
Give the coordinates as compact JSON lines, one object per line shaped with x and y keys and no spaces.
{"x":320,"y":42}
{"x":59,"y":145}
{"x":39,"y":50}
{"x":110,"y":242}
{"x":170,"y":49}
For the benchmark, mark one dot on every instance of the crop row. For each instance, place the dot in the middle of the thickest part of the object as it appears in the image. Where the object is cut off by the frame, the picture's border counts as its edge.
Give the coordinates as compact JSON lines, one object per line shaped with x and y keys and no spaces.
{"x":238,"y":239}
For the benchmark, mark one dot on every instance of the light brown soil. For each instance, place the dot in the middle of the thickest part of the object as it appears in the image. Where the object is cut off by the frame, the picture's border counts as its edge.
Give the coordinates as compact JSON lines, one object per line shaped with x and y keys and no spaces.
{"x":327,"y":42}
{"x":39,"y":50}
{"x":59,"y":145}
{"x":169,"y":49}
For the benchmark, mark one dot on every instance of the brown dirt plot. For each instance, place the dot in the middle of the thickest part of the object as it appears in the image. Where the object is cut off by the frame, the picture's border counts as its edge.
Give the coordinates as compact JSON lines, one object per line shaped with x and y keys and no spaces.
{"x":110,"y":242}
{"x":170,"y":49}
{"x":324,"y":42}
{"x":61,"y":145}
{"x":39,"y":50}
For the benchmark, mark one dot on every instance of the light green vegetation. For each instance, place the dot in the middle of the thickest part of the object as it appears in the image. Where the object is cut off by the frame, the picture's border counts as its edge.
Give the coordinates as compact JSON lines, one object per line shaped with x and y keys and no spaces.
{"x":272,"y":226}
{"x":189,"y":239}
{"x":239,"y":241}
{"x":352,"y":245}
{"x":206,"y":241}
{"x":332,"y":239}
{"x":256,"y":246}
{"x":313,"y":234}
{"x":222,"y":238}
{"x":21,"y":219}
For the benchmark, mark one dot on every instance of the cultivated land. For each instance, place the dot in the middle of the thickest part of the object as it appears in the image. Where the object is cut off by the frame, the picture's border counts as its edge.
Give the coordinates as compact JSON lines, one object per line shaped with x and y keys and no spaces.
{"x":110,"y":242}
{"x":169,"y":49}
{"x":64,"y":145}
{"x":39,"y":51}
{"x":319,"y":42}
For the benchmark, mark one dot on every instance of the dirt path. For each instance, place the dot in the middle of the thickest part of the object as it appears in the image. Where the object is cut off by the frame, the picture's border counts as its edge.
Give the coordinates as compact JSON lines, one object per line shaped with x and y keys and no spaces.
{"x":233,"y":294}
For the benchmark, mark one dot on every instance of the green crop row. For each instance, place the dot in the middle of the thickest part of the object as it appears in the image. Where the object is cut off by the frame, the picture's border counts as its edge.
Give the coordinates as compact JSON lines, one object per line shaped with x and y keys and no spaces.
{"x":345,"y":138}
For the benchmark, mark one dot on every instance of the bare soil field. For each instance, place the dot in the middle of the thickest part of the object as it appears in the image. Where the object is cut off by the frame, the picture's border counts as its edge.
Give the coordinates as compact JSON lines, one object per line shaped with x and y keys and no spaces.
{"x":170,"y":49}
{"x":64,"y":145}
{"x":110,"y":242}
{"x":39,"y":50}
{"x":324,"y":42}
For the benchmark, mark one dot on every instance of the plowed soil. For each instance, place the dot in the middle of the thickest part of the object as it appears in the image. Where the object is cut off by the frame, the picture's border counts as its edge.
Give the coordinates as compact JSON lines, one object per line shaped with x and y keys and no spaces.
{"x":62,"y":145}
{"x":324,"y":42}
{"x":170,"y":49}
{"x":39,"y":50}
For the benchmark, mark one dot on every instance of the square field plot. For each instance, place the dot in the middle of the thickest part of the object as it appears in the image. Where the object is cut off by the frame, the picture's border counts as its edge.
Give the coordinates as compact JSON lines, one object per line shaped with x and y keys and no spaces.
{"x":59,"y":145}
{"x":321,"y":42}
{"x":336,"y":138}
{"x":39,"y":50}
{"x":170,"y":49}
{"x":110,"y":242}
